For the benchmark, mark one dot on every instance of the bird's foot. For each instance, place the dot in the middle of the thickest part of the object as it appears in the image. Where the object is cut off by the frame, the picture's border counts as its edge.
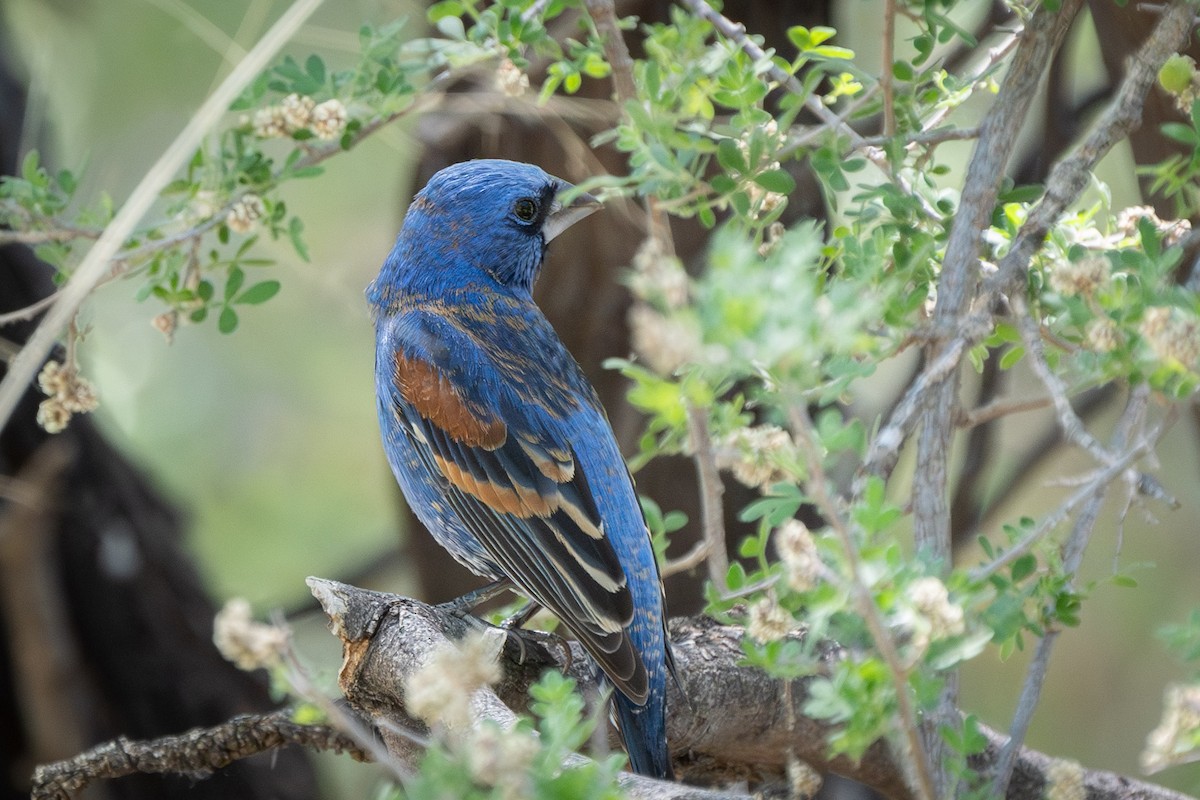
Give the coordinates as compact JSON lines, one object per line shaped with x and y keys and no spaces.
{"x":464,"y":605}
{"x":535,"y":647}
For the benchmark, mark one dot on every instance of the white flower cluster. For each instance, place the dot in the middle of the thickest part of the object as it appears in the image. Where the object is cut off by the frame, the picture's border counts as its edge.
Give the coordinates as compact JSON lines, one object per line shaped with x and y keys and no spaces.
{"x":248,"y":644}
{"x":301,"y":113}
{"x":68,"y":394}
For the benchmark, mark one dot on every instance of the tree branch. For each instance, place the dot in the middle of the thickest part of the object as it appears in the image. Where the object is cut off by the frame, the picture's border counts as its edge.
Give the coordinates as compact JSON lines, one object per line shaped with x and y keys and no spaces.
{"x":725,"y":718}
{"x":198,"y":752}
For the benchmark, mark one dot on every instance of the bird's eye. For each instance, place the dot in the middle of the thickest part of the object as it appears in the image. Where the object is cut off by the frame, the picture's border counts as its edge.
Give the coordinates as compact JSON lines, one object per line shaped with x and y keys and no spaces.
{"x":525,"y":209}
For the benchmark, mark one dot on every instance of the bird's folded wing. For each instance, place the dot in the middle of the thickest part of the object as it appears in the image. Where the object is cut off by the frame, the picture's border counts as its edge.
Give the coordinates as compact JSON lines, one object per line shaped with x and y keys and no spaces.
{"x":526,"y":498}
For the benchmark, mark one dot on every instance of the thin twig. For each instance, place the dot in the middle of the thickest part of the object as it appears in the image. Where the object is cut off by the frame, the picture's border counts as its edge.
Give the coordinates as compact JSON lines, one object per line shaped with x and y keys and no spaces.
{"x":1072,"y":557}
{"x":59,"y":233}
{"x":818,"y":489}
{"x":1000,"y":407}
{"x":887,"y":81}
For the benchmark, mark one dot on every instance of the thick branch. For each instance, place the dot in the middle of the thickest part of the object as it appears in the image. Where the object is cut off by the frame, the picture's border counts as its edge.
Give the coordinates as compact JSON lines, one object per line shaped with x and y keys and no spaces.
{"x":197,"y":752}
{"x":735,"y":721}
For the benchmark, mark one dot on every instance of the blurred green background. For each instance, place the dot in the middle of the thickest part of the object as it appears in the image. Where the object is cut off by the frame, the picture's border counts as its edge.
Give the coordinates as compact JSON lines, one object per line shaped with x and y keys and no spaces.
{"x":268,"y":437}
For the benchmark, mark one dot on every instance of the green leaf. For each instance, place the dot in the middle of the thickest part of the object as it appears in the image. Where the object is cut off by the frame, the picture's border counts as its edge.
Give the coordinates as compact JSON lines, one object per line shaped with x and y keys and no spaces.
{"x":234,"y":282}
{"x":1023,"y":567}
{"x":729,"y":156}
{"x":258,"y":293}
{"x":228,"y":321}
{"x":776,"y":180}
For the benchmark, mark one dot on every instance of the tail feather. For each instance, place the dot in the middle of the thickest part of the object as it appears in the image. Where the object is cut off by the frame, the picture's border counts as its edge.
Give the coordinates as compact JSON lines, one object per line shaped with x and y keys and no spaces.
{"x":644,"y":732}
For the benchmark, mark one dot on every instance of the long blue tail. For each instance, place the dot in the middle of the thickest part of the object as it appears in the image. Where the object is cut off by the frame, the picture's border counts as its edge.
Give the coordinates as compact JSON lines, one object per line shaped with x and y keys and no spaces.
{"x":644,"y":731}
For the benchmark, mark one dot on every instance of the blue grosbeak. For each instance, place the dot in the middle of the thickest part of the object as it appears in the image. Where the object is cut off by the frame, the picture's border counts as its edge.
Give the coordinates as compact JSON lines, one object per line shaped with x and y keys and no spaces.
{"x":497,"y":438}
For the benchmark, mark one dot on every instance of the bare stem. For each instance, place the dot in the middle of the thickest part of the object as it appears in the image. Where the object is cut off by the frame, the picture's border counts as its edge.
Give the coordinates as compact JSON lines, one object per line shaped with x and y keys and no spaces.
{"x":712,"y":512}
{"x":886,"y":79}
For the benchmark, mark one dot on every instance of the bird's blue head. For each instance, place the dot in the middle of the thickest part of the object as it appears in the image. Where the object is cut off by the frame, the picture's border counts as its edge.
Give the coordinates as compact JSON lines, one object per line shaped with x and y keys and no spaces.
{"x":487,"y":220}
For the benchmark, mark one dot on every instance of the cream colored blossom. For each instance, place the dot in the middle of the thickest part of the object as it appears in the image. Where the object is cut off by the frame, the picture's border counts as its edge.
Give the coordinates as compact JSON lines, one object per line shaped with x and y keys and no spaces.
{"x":798,"y":553}
{"x":1171,"y":231}
{"x":1102,"y":335}
{"x":296,"y":112}
{"x":1176,"y":740}
{"x":1172,"y":334}
{"x":510,"y":79}
{"x":659,"y":277}
{"x":1083,"y":277}
{"x":248,"y":644}
{"x":440,"y":691}
{"x":803,"y":781}
{"x":502,"y":758}
{"x":768,"y":621}
{"x":245,"y":213}
{"x":328,"y":120}
{"x":930,"y":597}
{"x":69,"y":393}
{"x":1065,"y":780}
{"x":758,"y":456}
{"x":664,"y":343}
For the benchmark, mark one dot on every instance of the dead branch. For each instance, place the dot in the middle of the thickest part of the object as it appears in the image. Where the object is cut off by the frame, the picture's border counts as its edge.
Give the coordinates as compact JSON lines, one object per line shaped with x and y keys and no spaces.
{"x":198,"y":752}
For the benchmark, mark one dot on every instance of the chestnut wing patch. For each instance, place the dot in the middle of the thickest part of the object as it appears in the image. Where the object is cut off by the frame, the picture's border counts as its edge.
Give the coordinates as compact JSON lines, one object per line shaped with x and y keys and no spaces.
{"x":529,"y":504}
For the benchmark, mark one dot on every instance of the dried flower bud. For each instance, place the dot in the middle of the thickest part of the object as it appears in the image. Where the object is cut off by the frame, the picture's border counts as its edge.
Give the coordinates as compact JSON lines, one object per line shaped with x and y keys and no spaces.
{"x":1175,"y":739}
{"x":69,"y":394}
{"x":1083,"y":277}
{"x":665,"y":343}
{"x":52,"y":415}
{"x":1172,"y":334}
{"x":1102,"y":335}
{"x":250,"y":645}
{"x":1171,"y":231}
{"x":769,"y":622}
{"x":165,"y":323}
{"x":244,"y":213}
{"x":758,"y":456}
{"x":798,"y":552}
{"x":510,"y":80}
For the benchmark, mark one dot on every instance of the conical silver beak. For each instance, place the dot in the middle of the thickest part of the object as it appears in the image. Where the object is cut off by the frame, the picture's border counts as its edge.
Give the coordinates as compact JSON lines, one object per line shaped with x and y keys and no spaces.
{"x":563,"y":216}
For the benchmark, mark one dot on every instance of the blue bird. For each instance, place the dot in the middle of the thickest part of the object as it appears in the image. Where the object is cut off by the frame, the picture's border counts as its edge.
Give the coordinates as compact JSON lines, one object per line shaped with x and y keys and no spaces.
{"x":498,"y":440}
